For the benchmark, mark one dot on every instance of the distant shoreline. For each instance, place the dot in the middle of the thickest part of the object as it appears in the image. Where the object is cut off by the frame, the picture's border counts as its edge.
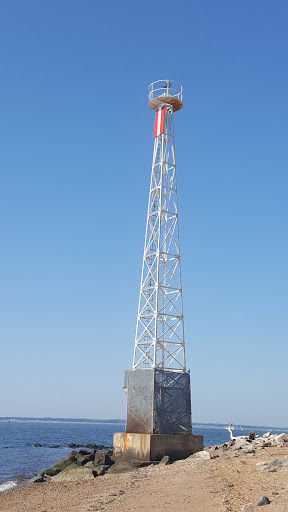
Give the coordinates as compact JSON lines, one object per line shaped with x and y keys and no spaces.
{"x":121,"y":421}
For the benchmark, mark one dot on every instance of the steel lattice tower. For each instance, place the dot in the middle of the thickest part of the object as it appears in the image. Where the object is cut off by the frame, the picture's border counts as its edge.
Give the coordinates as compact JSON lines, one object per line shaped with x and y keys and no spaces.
{"x":158,"y":386}
{"x":159,"y":341}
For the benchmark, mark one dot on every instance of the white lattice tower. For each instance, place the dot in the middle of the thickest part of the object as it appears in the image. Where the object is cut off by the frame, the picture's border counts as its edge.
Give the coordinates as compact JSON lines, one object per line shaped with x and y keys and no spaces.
{"x":159,"y":340}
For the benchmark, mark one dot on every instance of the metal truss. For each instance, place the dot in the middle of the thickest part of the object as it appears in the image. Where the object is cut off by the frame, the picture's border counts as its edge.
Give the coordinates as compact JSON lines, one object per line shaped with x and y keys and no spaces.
{"x":159,"y":341}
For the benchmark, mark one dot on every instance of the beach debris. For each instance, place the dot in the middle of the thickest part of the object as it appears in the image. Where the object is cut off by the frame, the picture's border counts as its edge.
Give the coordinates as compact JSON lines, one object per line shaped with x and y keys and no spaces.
{"x":230,"y":428}
{"x":262,"y":500}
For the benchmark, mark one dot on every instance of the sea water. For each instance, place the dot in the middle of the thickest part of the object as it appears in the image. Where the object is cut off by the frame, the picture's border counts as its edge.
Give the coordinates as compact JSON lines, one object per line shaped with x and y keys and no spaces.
{"x":20,"y":460}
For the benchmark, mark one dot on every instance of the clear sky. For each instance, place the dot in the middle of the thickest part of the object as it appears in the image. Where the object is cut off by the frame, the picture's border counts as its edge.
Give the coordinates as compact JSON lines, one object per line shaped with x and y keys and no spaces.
{"x":76,"y":139}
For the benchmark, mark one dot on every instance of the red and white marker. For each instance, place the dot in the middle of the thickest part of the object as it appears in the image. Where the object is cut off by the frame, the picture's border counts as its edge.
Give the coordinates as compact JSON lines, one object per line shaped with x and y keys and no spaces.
{"x":159,"y":121}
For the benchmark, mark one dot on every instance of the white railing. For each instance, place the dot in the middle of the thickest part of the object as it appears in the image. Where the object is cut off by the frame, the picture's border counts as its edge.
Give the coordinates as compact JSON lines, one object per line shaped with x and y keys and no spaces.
{"x":165,"y":88}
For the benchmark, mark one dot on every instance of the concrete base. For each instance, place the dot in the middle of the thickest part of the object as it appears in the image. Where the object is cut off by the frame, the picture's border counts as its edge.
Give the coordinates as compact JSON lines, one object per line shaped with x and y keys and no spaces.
{"x":155,"y":446}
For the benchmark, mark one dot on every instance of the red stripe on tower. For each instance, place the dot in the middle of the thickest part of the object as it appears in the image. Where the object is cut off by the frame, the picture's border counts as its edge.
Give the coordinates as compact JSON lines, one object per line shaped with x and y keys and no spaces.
{"x":159,"y":121}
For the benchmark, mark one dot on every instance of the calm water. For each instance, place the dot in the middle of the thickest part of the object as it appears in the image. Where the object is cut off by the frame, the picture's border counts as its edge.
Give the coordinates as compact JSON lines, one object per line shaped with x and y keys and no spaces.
{"x":18,"y":457}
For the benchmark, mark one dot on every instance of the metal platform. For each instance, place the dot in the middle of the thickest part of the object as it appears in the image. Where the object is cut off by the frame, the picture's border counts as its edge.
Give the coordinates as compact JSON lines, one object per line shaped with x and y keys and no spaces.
{"x":165,"y":91}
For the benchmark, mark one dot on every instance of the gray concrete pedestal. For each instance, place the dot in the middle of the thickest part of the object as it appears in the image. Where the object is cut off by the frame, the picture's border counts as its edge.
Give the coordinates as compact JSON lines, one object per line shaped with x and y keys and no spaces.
{"x":154,"y":446}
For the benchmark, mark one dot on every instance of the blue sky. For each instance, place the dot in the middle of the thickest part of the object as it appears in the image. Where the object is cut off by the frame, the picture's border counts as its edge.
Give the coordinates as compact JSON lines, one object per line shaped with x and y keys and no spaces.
{"x":76,"y":149}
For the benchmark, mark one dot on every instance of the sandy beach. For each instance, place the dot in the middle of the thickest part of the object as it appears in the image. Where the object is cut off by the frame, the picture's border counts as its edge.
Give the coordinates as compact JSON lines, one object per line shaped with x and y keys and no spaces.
{"x":223,"y":484}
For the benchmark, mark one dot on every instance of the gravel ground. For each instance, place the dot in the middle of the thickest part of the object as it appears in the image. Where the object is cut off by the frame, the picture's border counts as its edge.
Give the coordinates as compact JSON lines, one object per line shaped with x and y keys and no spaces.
{"x":223,"y":484}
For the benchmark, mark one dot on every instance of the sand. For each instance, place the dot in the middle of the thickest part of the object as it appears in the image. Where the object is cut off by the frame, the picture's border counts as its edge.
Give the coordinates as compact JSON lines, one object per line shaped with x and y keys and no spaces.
{"x":223,"y":484}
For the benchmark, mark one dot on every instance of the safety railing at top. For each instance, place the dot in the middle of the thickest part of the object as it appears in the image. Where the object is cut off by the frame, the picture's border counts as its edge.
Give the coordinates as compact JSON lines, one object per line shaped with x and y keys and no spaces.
{"x":165,"y":88}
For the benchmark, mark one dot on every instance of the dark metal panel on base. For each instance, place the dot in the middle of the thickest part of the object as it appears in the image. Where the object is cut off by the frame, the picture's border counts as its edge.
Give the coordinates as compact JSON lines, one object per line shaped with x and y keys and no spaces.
{"x":172,"y":407}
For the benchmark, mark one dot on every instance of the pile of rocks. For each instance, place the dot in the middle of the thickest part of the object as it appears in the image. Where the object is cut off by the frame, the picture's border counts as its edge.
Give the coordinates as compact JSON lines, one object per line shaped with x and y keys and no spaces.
{"x":274,"y":465}
{"x":248,"y":444}
{"x":86,"y":465}
{"x":81,"y":464}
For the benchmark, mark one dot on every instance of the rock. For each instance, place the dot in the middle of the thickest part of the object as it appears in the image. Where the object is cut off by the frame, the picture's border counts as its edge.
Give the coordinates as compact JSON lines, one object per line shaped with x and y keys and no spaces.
{"x":36,"y":479}
{"x":90,"y":464}
{"x":74,"y":473}
{"x":273,"y":462}
{"x":54,"y":446}
{"x":71,"y":456}
{"x":279,"y":462}
{"x":252,"y":435}
{"x":59,"y":466}
{"x":200,"y":455}
{"x":121,"y":466}
{"x":282,"y":436}
{"x":83,"y":457}
{"x":51,"y":471}
{"x":165,"y":460}
{"x":63,"y":464}
{"x":249,"y":451}
{"x":267,"y":469}
{"x":280,"y":440}
{"x":101,"y":458}
{"x":146,"y":463}
{"x":245,"y":507}
{"x":84,"y":452}
{"x":260,"y":443}
{"x":239,"y":444}
{"x":37,"y":445}
{"x":100,"y":470}
{"x":262,"y":500}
